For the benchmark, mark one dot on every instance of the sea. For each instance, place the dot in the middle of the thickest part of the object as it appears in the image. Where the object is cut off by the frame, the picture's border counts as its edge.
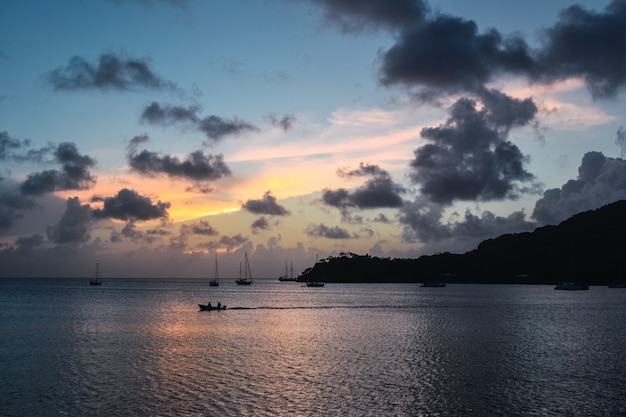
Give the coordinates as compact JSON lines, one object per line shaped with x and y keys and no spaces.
{"x":142,"y":347}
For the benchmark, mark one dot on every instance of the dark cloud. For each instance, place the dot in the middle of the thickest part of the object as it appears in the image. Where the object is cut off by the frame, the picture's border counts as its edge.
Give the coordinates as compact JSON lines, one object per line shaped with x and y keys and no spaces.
{"x":469,"y":157}
{"x":19,"y":150}
{"x":260,"y":223}
{"x":12,"y":203}
{"x":198,"y":166}
{"x":448,"y":54}
{"x":167,"y":115}
{"x":381,"y":218}
{"x":74,"y":175}
{"x":586,"y":44}
{"x":439,"y":53}
{"x":379,"y":191}
{"x":26,"y":244}
{"x":232,"y":242}
{"x":129,"y":205}
{"x":620,"y":140}
{"x":199,"y":228}
{"x":129,"y":231}
{"x":321,"y":230}
{"x":358,"y":15}
{"x":214,"y":127}
{"x":601,"y":180}
{"x":285,"y":123}
{"x":111,"y":72}
{"x":266,"y":205}
{"x":424,"y":221}
{"x":74,"y":225}
{"x":8,"y":145}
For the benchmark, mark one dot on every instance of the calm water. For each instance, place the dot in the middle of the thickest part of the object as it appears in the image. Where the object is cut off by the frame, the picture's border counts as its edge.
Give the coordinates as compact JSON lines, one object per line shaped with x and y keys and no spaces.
{"x":142,"y":348}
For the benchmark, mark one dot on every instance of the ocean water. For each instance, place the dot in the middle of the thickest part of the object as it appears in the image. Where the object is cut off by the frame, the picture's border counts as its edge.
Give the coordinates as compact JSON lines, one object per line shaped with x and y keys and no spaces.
{"x":141,"y":347}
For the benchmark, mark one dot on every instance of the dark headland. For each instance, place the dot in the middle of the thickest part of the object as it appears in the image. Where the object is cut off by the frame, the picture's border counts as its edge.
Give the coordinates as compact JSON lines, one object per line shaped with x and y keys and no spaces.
{"x":588,"y":247}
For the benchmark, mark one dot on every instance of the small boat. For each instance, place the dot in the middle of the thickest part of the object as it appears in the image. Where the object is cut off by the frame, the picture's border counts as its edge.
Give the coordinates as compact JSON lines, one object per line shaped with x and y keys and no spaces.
{"x":247,"y":279}
{"x":214,"y":282}
{"x":209,"y":307}
{"x":315,"y":284}
{"x":571,"y":286}
{"x":96,"y":280}
{"x":433,"y":284}
{"x":287,"y":277}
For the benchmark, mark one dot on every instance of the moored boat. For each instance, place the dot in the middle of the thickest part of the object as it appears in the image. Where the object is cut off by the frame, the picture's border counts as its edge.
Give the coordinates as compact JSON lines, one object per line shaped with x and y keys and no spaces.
{"x":287,"y":277}
{"x":431,"y":284}
{"x":571,"y":286}
{"x":96,"y":280}
{"x":214,"y":282}
{"x":247,"y":279}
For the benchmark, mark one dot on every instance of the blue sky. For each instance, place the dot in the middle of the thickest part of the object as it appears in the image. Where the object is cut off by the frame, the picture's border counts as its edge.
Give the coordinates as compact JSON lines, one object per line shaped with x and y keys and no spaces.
{"x":151,"y":135}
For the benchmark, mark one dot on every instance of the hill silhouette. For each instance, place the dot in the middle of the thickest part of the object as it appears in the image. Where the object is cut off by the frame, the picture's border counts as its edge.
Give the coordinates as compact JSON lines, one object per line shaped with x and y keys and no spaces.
{"x":588,"y":247}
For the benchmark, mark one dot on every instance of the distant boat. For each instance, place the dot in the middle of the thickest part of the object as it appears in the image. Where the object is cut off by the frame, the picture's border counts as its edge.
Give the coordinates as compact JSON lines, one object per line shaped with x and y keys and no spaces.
{"x":96,"y":280}
{"x":247,"y":279}
{"x":209,"y":307}
{"x":315,"y":284}
{"x":433,"y":284}
{"x":571,"y":286}
{"x":214,"y":282}
{"x":287,"y":277}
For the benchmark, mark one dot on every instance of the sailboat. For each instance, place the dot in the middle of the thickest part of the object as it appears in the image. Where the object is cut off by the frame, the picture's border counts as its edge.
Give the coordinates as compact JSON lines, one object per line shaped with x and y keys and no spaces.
{"x":247,"y":279}
{"x":287,"y":277}
{"x":214,"y":282}
{"x":96,"y":280}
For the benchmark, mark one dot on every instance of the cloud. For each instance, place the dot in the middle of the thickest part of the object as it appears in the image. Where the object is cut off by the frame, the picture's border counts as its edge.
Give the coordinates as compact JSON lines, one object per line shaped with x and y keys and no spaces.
{"x":447,"y":54}
{"x":198,"y":166}
{"x":358,"y":15}
{"x":129,"y":205}
{"x":214,"y":127}
{"x":423,"y":221}
{"x":443,"y":54}
{"x":202,"y":228}
{"x":601,"y":180}
{"x":586,"y":44}
{"x":26,"y":244}
{"x":73,"y":176}
{"x":266,"y":205}
{"x":260,"y":223}
{"x":232,"y":242}
{"x":8,"y":145}
{"x":19,"y":150}
{"x":74,"y":225}
{"x":620,"y":140}
{"x":469,"y":157}
{"x":130,"y":231}
{"x":11,"y":204}
{"x":379,"y":191}
{"x":321,"y":230}
{"x":285,"y":123}
{"x":111,"y":72}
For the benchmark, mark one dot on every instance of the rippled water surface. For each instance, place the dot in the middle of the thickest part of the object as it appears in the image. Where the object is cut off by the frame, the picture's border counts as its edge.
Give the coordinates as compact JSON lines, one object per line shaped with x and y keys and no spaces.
{"x":142,"y":348}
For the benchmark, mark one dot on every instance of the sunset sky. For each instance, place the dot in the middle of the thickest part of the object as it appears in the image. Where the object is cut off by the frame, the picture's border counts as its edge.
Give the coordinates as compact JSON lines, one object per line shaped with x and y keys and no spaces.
{"x":151,"y":136}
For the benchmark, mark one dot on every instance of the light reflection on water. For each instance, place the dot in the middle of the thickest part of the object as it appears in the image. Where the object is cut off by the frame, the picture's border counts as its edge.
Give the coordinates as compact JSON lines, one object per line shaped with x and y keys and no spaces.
{"x":141,"y":347}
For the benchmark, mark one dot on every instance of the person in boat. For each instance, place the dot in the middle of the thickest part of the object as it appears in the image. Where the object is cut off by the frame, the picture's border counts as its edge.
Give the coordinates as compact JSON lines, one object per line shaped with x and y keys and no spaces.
{"x":219,"y":305}
{"x":209,"y":305}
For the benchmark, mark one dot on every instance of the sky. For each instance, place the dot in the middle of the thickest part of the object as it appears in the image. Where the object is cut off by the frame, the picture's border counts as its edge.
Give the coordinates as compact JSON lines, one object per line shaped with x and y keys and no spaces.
{"x":152,"y":136}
